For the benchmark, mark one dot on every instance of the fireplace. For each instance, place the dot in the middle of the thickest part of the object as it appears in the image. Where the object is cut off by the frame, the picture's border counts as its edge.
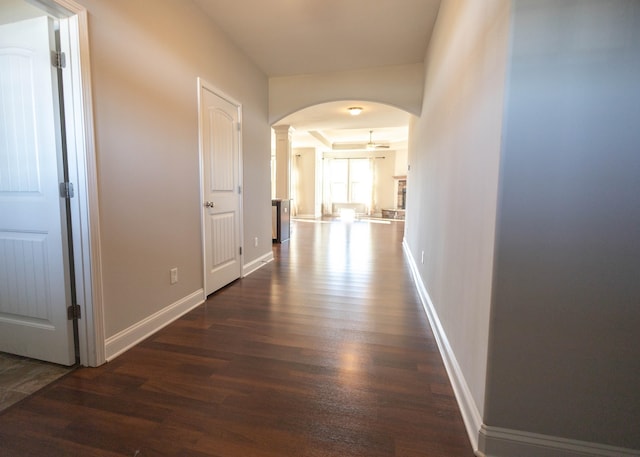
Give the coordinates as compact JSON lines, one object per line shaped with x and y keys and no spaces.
{"x":402,"y":194}
{"x":401,"y":200}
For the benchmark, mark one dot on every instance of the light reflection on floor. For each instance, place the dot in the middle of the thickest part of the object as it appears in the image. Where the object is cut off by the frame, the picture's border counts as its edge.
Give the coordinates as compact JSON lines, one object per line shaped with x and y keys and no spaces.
{"x":367,"y":219}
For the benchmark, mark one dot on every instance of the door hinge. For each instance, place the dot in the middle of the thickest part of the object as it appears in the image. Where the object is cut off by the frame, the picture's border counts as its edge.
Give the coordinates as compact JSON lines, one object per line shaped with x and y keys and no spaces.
{"x":74,"y":312}
{"x":240,"y":250}
{"x":58,"y":59}
{"x":239,"y":189}
{"x":66,"y":190}
{"x":238,"y":126}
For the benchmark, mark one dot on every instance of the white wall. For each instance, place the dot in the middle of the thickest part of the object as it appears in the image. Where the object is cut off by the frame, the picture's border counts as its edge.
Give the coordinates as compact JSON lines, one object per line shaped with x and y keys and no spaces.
{"x":146,"y":56}
{"x":565,"y":351}
{"x":454,"y":155}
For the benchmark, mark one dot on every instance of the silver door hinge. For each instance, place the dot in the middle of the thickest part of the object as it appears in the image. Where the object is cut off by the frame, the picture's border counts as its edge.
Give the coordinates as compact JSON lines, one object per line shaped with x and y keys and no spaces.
{"x":239,"y":189}
{"x":66,"y":190}
{"x":240,"y":250}
{"x":58,"y":59}
{"x":238,"y":126}
{"x":74,"y":312}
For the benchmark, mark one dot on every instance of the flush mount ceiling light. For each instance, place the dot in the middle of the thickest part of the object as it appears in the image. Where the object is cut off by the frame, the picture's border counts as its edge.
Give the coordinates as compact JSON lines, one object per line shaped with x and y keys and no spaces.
{"x":354,"y":110}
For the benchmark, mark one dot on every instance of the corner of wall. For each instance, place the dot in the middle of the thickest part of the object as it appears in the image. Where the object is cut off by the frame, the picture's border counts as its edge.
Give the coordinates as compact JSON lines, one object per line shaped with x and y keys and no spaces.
{"x":129,"y":337}
{"x":468,"y":408}
{"x":256,"y":264}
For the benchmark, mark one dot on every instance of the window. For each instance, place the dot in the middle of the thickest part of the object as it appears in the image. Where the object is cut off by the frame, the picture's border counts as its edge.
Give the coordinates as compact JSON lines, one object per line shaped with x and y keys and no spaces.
{"x":349,"y":184}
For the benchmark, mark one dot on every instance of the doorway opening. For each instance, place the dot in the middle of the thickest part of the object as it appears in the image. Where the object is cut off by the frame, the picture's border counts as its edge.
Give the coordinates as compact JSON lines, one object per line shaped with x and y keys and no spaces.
{"x":329,"y":162}
{"x":221,"y":186}
{"x":44,"y":262}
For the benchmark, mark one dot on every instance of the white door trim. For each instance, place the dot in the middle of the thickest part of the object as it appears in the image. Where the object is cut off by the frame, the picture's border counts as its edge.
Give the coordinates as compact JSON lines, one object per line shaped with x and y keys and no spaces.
{"x":203,"y":84}
{"x":78,"y":104}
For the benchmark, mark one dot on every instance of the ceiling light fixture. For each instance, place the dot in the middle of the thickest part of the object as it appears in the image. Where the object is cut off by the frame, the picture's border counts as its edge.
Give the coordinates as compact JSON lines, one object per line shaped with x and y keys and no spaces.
{"x":354,"y":110}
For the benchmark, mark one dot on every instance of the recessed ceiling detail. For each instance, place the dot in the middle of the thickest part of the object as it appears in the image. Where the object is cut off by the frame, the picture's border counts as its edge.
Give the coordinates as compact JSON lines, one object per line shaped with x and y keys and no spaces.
{"x":329,"y":124}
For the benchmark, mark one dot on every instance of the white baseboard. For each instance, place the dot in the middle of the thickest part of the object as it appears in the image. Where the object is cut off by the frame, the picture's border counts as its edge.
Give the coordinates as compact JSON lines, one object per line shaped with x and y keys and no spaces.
{"x":502,"y":442}
{"x":257,"y":264}
{"x":468,"y":408}
{"x":129,"y":337}
{"x":488,"y":441}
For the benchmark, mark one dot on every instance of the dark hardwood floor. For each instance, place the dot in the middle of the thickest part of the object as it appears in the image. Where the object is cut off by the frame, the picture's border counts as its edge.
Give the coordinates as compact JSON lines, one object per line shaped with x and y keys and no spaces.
{"x":324,"y":352}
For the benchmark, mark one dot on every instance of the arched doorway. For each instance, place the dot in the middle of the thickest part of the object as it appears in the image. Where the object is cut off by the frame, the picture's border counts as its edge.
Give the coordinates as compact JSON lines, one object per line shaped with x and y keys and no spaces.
{"x":328,"y":161}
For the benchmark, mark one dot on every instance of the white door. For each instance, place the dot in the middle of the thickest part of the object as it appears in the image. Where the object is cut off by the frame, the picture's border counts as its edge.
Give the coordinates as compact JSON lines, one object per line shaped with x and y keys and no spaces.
{"x":34,"y":277}
{"x":220,"y":137}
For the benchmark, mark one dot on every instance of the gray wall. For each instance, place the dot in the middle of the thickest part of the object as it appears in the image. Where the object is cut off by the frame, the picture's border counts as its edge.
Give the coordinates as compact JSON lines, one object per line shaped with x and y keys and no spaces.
{"x":146,"y":56}
{"x":454,"y":155}
{"x":524,"y":194}
{"x":563,"y":355}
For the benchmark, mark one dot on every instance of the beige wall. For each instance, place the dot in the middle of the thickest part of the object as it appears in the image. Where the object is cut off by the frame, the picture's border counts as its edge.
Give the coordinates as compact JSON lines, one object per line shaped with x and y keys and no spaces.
{"x":400,"y":86}
{"x":402,"y":157}
{"x":306,"y":171}
{"x":454,"y":155}
{"x":384,"y":184}
{"x":146,"y":56}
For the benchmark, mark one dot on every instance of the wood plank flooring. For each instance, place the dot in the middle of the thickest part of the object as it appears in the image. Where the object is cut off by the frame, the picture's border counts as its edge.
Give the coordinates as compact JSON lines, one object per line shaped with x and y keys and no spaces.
{"x":324,"y":352}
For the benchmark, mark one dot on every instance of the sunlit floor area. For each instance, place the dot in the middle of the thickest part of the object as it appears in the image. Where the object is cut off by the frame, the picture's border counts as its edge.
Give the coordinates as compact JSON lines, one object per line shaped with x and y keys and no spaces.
{"x":324,"y":352}
{"x":20,"y":377}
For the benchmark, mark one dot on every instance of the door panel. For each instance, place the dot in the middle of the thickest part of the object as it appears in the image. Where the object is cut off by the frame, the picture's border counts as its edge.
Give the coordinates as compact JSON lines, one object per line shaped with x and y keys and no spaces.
{"x":222,"y":132}
{"x":221,"y":194}
{"x":223,"y":238}
{"x":34,"y":277}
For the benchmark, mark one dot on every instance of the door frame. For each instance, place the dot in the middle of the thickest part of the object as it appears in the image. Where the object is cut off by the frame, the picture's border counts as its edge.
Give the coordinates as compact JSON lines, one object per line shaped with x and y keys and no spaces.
{"x":85,"y":221}
{"x":203,"y":84}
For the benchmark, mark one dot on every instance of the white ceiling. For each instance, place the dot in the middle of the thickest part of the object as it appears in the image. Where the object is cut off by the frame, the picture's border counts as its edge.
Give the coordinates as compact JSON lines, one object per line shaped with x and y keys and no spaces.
{"x":295,"y":37}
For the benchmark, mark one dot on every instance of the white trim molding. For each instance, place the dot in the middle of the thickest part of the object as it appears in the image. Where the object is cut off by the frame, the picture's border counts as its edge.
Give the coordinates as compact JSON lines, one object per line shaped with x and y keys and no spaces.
{"x":503,"y":442}
{"x":129,"y":337}
{"x":468,"y":408}
{"x":203,"y":84}
{"x":256,"y":264}
{"x":79,"y":131}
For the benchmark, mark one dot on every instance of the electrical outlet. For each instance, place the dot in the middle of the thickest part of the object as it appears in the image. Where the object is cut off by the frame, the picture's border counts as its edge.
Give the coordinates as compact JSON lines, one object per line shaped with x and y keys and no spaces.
{"x":174,"y":275}
{"x":255,"y":242}
{"x":422,"y":258}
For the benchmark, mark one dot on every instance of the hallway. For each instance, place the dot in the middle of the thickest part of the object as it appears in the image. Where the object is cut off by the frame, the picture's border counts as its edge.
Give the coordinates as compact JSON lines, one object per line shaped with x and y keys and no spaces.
{"x":324,"y":352}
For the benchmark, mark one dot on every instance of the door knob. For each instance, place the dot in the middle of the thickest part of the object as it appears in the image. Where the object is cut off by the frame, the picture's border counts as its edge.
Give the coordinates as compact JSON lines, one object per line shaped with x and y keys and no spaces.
{"x":210,"y":204}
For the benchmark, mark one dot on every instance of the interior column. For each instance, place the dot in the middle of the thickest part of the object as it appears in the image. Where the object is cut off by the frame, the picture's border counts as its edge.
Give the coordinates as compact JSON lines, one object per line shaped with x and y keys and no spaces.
{"x":283,"y":161}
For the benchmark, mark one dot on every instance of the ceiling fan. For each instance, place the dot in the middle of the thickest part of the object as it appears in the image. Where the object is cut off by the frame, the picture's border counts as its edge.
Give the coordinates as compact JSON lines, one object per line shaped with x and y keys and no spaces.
{"x":371,"y":145}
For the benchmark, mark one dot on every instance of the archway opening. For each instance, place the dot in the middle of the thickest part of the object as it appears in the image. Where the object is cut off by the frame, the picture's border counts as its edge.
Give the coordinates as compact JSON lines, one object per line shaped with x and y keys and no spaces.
{"x":329,"y":162}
